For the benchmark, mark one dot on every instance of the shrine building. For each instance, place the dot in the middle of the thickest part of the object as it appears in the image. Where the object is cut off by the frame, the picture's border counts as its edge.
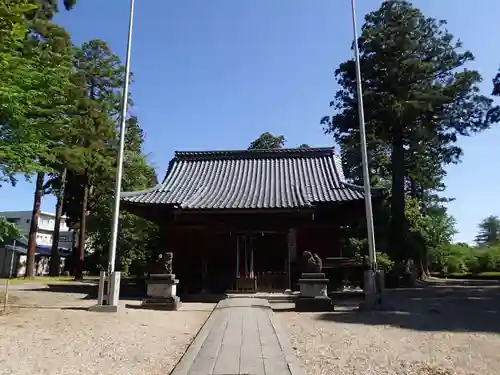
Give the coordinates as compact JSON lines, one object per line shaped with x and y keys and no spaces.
{"x":240,"y":220}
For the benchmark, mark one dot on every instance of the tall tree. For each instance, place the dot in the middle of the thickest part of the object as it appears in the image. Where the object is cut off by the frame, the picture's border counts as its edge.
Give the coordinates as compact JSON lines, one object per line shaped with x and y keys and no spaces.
{"x":39,"y":20}
{"x":267,"y":141}
{"x":35,"y":215}
{"x":137,"y":237}
{"x":489,"y":231}
{"x":58,"y":185}
{"x":36,"y":64}
{"x":99,"y":78}
{"x":56,"y":44}
{"x":8,"y":230}
{"x":430,"y":230}
{"x":34,"y":72}
{"x":416,"y":93}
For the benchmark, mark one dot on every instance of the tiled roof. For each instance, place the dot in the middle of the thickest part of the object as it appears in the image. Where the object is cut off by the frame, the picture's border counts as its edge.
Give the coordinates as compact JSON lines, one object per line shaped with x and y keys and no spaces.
{"x":284,"y":178}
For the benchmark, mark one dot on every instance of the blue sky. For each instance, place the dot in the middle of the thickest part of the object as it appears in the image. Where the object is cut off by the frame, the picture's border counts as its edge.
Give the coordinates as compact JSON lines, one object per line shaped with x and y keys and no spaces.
{"x":216,"y":74}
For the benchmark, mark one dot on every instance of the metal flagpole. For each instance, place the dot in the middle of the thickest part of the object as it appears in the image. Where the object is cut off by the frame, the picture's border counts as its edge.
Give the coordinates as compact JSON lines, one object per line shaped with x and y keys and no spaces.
{"x":119,"y":167}
{"x":113,"y":278}
{"x":364,"y":156}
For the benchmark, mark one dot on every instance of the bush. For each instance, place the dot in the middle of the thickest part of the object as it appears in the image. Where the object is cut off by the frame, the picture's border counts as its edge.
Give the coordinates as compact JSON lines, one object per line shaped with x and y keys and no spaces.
{"x":462,"y":259}
{"x":384,"y":263}
{"x":455,"y":263}
{"x":450,"y":259}
{"x":487,"y":259}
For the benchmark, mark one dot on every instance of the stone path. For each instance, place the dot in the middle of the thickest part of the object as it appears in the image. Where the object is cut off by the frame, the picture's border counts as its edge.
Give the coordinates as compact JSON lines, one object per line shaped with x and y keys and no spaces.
{"x":240,"y":337}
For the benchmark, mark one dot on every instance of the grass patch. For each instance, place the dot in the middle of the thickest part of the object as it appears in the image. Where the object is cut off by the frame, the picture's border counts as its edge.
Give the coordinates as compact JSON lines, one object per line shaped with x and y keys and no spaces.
{"x":47,"y":280}
{"x":491,"y":275}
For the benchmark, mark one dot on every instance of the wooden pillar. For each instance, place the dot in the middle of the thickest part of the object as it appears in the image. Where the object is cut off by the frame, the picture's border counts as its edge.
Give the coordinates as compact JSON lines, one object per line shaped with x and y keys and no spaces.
{"x":245,"y":242}
{"x":251,"y":258}
{"x":291,"y":253}
{"x":237,"y":256}
{"x":204,"y":270}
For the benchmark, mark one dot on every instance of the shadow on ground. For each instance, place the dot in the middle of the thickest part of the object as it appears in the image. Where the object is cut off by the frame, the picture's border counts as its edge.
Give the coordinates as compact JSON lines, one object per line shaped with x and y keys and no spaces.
{"x":458,"y":306}
{"x":89,"y":291}
{"x":128,"y":290}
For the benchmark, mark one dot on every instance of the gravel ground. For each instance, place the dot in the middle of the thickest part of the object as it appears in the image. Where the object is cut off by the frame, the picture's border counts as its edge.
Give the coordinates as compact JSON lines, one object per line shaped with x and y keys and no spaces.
{"x":61,"y":337}
{"x":443,"y":329}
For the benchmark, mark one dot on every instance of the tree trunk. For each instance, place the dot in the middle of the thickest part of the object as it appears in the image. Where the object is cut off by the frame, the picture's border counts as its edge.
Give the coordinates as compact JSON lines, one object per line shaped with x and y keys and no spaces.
{"x":55,"y":259}
{"x":82,"y":230}
{"x":398,"y":218}
{"x":413,"y":189}
{"x":30,"y":258}
{"x":424,"y":273}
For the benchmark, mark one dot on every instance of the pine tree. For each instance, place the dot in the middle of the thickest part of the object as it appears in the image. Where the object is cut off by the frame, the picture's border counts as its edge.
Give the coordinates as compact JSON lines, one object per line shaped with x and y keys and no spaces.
{"x":267,"y":141}
{"x":98,"y":80}
{"x":50,"y":46}
{"x":35,"y":69}
{"x":137,"y":237}
{"x":489,"y":231}
{"x":496,"y":85}
{"x":47,"y":9}
{"x":417,"y":94}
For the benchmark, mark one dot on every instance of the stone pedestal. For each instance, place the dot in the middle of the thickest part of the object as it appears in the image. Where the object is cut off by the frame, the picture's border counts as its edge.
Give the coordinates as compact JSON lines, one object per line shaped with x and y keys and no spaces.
{"x":370,"y":287}
{"x":374,"y":290}
{"x":108,"y":293}
{"x":161,"y":292}
{"x":313,"y":293}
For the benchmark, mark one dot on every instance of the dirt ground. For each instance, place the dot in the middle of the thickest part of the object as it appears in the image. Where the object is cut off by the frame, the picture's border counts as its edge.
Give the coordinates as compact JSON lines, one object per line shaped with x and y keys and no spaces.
{"x":444,"y":327}
{"x":50,"y":331}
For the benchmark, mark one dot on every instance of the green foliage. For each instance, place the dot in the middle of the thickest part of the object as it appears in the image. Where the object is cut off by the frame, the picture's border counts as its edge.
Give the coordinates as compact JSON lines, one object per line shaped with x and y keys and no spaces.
{"x":97,"y":81}
{"x":450,"y":258}
{"x":138,"y":238}
{"x":59,"y":111}
{"x":35,"y":71}
{"x":489,"y":231}
{"x":462,"y":259}
{"x":496,"y":91}
{"x":433,"y":229}
{"x":36,"y":68}
{"x":8,"y":230}
{"x":384,"y":262}
{"x":46,"y":9}
{"x":358,"y":249}
{"x":354,"y":247}
{"x":419,"y":99}
{"x":485,"y":260}
{"x":267,"y":141}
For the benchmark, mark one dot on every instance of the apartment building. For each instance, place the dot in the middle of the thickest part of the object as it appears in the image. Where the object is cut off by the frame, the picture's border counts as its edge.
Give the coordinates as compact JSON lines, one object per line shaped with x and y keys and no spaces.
{"x":45,"y":232}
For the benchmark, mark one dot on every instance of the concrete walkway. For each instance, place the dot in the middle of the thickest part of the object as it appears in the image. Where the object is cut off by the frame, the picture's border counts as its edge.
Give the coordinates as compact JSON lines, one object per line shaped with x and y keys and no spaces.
{"x":240,"y":337}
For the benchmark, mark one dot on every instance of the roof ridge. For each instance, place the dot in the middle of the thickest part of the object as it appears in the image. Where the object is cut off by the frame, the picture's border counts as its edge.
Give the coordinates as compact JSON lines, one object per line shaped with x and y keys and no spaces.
{"x":244,"y":179}
{"x":256,"y":154}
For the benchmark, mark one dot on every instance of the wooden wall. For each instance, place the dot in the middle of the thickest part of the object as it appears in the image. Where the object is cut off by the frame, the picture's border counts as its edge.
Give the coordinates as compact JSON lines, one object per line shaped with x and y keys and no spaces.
{"x":192,"y":237}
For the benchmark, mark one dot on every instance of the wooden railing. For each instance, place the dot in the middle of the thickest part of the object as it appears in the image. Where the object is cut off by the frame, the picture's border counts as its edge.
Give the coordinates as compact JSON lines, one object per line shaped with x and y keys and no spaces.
{"x":262,"y":282}
{"x":248,"y":285}
{"x":272,"y":281}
